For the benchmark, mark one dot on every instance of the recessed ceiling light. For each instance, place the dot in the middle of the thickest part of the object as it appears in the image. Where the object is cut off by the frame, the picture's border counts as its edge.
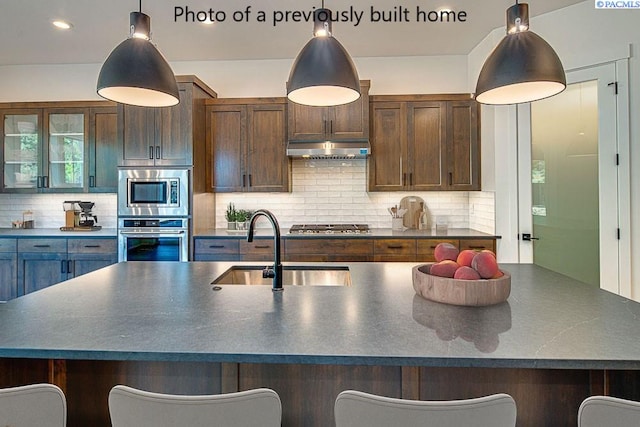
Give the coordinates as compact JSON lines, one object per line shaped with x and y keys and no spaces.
{"x":63,"y":25}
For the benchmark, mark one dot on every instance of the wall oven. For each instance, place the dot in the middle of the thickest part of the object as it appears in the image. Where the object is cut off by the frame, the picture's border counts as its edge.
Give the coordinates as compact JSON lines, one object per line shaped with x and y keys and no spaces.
{"x":153,"y":192}
{"x":153,"y":239}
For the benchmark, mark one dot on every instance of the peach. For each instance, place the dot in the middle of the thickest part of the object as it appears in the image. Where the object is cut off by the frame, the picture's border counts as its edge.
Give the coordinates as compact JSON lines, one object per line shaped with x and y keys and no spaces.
{"x":465,"y":257}
{"x":490,"y":251}
{"x":485,"y":264}
{"x":445,"y":251}
{"x":466,"y":273}
{"x":445,"y":268}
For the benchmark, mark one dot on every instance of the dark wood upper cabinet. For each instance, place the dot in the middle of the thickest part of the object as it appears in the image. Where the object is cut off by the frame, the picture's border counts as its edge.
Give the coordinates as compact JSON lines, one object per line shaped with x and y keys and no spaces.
{"x":167,"y":136}
{"x":103,"y":149}
{"x":424,"y":143}
{"x":336,"y":123}
{"x":67,"y":146}
{"x":463,"y":150}
{"x":247,"y":138}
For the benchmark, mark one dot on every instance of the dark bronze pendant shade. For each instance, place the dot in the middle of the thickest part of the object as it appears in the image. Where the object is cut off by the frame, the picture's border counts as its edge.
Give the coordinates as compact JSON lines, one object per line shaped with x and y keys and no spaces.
{"x":136,"y":73}
{"x":323,"y":74}
{"x":522,"y":68}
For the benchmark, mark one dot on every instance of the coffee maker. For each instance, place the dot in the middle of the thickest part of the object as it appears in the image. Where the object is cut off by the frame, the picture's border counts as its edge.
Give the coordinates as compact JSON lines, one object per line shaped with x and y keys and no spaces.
{"x":79,"y":219}
{"x":87,"y":218}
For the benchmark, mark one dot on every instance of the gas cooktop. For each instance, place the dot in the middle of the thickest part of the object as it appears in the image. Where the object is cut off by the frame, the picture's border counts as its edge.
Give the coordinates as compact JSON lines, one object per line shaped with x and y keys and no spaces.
{"x":329,"y":229}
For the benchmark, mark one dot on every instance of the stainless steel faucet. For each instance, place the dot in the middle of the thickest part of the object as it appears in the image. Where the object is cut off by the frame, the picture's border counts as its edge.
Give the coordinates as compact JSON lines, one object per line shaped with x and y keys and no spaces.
{"x":274,"y":272}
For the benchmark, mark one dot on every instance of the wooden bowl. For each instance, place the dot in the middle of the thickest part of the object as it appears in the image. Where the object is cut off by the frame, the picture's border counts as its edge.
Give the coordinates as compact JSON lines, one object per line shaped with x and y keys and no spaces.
{"x":460,"y":292}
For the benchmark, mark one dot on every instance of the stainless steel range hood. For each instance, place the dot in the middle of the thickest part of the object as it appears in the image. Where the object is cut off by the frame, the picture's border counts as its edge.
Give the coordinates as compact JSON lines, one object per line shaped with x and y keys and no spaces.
{"x":358,"y":149}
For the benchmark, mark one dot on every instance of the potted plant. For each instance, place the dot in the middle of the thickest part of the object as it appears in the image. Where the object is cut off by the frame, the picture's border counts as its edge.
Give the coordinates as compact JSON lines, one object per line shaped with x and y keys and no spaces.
{"x":231,"y":215}
{"x":241,"y":219}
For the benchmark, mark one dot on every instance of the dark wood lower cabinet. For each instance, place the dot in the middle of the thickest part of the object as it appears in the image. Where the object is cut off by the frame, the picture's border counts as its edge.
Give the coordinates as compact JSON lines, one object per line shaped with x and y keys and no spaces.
{"x":544,"y":397}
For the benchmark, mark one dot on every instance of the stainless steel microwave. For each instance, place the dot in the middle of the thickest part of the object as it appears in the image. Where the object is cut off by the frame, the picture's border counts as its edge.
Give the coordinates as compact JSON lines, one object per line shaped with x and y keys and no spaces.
{"x":153,"y":192}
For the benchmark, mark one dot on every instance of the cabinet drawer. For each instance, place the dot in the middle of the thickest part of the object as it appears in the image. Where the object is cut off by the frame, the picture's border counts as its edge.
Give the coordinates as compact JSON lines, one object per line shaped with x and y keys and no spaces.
{"x":257,"y":247}
{"x":329,"y":246}
{"x":42,"y":245}
{"x":217,"y":246}
{"x":395,"y":247}
{"x":8,"y":245}
{"x":478,"y":244}
{"x":426,"y":247}
{"x":92,"y":246}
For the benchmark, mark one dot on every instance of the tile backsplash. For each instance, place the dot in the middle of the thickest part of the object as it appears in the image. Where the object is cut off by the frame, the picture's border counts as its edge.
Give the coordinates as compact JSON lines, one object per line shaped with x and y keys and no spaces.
{"x":335,"y":191}
{"x":47,"y":208}
{"x":323,"y":191}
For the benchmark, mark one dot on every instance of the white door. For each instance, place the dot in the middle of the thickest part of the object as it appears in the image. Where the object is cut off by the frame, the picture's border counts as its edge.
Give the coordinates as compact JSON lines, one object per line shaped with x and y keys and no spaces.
{"x":572,"y":186}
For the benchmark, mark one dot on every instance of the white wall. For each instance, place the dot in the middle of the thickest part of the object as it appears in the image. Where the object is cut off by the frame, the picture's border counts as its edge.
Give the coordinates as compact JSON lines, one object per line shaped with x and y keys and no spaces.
{"x":335,"y":191}
{"x":582,"y":36}
{"x":263,"y":78}
{"x":47,"y":208}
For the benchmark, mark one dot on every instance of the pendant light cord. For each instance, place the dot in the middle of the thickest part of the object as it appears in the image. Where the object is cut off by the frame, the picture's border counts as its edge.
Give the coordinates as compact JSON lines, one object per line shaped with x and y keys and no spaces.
{"x":141,"y":6}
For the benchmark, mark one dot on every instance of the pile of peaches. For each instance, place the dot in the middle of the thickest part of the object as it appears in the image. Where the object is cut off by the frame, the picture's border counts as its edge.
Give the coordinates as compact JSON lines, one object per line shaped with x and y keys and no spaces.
{"x":467,"y":264}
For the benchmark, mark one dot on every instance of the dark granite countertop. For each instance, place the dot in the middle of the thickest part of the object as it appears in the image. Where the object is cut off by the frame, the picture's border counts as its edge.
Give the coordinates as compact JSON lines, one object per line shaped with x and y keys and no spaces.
{"x":452,"y":233}
{"x":55,"y":232}
{"x":169,"y":312}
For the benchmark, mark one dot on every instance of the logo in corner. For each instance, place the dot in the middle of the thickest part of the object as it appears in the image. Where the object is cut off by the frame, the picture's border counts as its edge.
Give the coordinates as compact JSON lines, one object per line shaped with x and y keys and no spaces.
{"x":620,"y":4}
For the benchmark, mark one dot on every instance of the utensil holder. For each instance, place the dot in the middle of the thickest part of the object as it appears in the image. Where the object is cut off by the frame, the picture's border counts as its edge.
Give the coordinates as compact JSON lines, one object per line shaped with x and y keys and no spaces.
{"x":396,"y":224}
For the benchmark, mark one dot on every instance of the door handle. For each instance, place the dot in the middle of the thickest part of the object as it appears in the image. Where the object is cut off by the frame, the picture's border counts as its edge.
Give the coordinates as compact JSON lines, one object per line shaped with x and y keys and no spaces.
{"x":157,"y":151}
{"x":63,"y":266}
{"x":151,"y":152}
{"x":527,"y":237}
{"x":71,"y":267}
{"x":92,"y":181}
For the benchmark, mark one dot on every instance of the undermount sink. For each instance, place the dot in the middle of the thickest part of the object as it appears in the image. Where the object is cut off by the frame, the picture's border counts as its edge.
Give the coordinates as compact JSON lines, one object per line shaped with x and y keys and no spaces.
{"x":292,"y":275}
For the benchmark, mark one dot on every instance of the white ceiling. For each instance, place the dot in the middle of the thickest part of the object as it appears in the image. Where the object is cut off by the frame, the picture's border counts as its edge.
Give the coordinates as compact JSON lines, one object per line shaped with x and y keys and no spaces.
{"x":27,"y":36}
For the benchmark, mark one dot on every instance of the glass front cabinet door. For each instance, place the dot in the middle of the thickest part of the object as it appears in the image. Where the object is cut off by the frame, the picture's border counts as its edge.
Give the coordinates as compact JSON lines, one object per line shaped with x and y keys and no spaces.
{"x":44,"y":150}
{"x":65,"y":151}
{"x":22,"y":147}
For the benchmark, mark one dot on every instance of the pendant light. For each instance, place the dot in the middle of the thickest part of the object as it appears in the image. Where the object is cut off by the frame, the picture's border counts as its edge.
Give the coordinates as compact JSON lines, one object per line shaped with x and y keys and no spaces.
{"x":522,"y":68}
{"x":135,"y":72}
{"x":323,"y":74}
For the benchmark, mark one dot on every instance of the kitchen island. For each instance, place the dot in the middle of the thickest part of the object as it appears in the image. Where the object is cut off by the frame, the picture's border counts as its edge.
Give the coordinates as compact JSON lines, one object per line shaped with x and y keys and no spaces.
{"x":164,"y":327}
